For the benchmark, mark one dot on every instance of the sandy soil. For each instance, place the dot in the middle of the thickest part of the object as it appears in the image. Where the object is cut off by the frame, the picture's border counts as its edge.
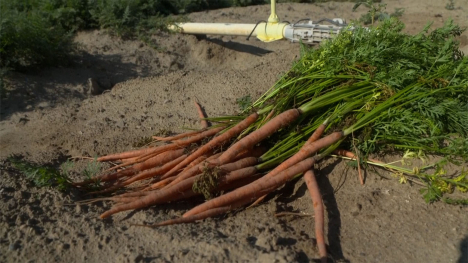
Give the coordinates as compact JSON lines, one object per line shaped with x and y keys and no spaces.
{"x":50,"y":115}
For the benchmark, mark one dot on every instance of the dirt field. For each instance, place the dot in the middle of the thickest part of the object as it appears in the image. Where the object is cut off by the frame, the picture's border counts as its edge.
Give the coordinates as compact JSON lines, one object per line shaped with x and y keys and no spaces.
{"x":50,"y":115}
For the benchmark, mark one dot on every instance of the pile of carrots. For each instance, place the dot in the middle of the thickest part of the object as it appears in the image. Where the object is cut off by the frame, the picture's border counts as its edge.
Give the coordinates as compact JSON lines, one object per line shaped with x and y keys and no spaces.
{"x":185,"y":167}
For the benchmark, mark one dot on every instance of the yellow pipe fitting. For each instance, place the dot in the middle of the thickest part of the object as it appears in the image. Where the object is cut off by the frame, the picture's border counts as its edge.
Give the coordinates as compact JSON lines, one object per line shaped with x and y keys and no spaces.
{"x":268,"y":32}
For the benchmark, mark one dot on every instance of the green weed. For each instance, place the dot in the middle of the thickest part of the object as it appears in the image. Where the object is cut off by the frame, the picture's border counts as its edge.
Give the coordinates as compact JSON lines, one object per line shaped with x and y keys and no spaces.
{"x":41,"y":176}
{"x":450,"y":5}
{"x":376,"y":12}
{"x":244,"y":102}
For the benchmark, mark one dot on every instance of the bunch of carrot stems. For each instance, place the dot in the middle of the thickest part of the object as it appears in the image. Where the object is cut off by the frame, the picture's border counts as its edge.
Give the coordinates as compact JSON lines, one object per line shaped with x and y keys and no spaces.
{"x":348,"y":86}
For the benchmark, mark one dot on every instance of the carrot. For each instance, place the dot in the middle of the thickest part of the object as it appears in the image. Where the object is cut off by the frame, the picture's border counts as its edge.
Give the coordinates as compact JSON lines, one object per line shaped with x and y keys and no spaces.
{"x":126,"y":160}
{"x":155,"y":171}
{"x":196,"y":162}
{"x":355,"y":157}
{"x":139,"y":193}
{"x":268,"y":117}
{"x":314,"y":137}
{"x":144,"y":175}
{"x":200,"y":216}
{"x":187,"y":173}
{"x":179,"y":136}
{"x":254,"y":190}
{"x":160,"y":184}
{"x":249,"y":161}
{"x":242,"y":163}
{"x":124,"y":155}
{"x":236,"y":175}
{"x":201,"y":115}
{"x":306,"y":151}
{"x":154,"y":161}
{"x":156,"y":197}
{"x":314,"y":191}
{"x":255,"y":152}
{"x":234,"y":131}
{"x":156,"y":151}
{"x":257,"y":136}
{"x":183,"y":142}
{"x":191,"y":219}
{"x":317,"y":133}
{"x":113,"y":198}
{"x":351,"y":155}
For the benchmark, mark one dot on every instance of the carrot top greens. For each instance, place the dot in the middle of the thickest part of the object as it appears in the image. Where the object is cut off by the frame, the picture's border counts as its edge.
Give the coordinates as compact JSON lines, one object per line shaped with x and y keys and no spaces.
{"x":389,"y":89}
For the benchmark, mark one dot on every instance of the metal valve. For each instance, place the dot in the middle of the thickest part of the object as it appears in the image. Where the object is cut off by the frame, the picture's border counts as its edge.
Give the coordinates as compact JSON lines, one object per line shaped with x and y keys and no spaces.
{"x":311,"y":32}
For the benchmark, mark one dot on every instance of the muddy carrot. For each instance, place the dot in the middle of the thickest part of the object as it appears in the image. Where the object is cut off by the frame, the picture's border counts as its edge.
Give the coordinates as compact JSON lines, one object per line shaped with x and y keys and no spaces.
{"x":254,"y":190}
{"x":234,"y":131}
{"x":201,"y":115}
{"x":160,"y":184}
{"x":157,"y":197}
{"x":255,"y":152}
{"x":154,"y":161}
{"x":179,"y":136}
{"x":314,"y":191}
{"x":125,"y":155}
{"x":113,"y":198}
{"x":307,"y":151}
{"x":143,"y":175}
{"x":203,"y":215}
{"x":189,"y":172}
{"x":317,"y":133}
{"x":257,"y":136}
{"x":237,"y":175}
{"x":242,"y":163}
{"x":184,"y":142}
{"x":355,"y":157}
{"x":351,"y":155}
{"x":314,"y":137}
{"x":191,"y":219}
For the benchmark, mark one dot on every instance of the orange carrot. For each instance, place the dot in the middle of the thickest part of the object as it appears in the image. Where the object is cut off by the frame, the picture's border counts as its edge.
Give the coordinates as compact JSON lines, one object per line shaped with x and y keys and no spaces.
{"x":355,"y":157}
{"x":242,"y":163}
{"x":201,"y":115}
{"x":314,"y":137}
{"x":124,"y":155}
{"x":155,"y":171}
{"x":254,"y":190}
{"x":156,"y":197}
{"x":183,"y":142}
{"x":113,"y":198}
{"x":191,"y":219}
{"x":200,"y":216}
{"x":314,"y":191}
{"x":237,"y":175}
{"x":268,"y":117}
{"x":179,"y":136}
{"x":192,"y":171}
{"x":317,"y":133}
{"x":234,"y":131}
{"x":160,"y":184}
{"x":255,"y":152}
{"x":257,"y":136}
{"x":306,"y":151}
{"x":138,"y":193}
{"x":154,"y":161}
{"x":143,"y":175}
{"x":351,"y":155}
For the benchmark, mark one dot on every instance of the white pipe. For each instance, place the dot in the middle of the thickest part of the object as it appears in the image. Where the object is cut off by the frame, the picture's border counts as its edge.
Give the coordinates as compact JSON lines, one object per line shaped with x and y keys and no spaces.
{"x":215,"y":29}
